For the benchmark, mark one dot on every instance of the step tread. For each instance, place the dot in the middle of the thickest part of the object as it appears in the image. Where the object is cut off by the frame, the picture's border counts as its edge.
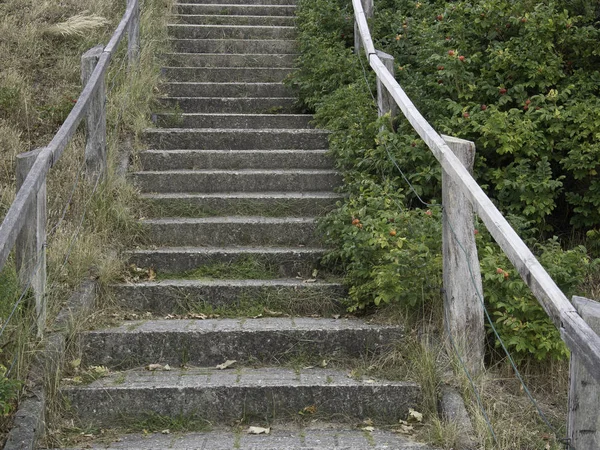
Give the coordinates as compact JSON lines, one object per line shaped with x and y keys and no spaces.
{"x":231,"y":219}
{"x":193,"y":25}
{"x":209,"y":250}
{"x":243,"y":195}
{"x":283,"y":282}
{"x":242,"y":171}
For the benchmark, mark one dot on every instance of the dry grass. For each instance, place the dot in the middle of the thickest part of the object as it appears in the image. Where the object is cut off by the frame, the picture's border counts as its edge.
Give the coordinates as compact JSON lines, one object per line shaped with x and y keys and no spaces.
{"x":78,"y":25}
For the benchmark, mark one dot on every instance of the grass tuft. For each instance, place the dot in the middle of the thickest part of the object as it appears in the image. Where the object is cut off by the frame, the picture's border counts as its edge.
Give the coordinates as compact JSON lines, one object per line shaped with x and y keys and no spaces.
{"x":78,"y":25}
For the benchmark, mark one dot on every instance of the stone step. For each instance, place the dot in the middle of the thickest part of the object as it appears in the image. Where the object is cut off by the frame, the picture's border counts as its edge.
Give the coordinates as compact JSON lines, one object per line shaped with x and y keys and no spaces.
{"x":183,"y":31}
{"x":235,"y":139}
{"x":229,"y":120}
{"x":191,"y":89}
{"x":289,"y":262}
{"x":222,"y":396}
{"x":235,"y":10}
{"x":206,"y":343}
{"x":279,"y":46}
{"x":271,"y":204}
{"x":239,"y":2}
{"x":235,"y":46}
{"x":205,"y":181}
{"x":232,"y":230}
{"x":226,"y":19}
{"x":233,"y":105}
{"x":325,"y":436}
{"x":229,"y":60}
{"x":227,"y":74}
{"x":158,"y":160}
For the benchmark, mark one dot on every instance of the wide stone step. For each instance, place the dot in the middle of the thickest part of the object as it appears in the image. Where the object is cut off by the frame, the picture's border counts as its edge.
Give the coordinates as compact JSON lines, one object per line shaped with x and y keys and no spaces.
{"x":233,"y":230}
{"x":241,"y":2}
{"x":289,"y":262}
{"x":233,"y":105}
{"x":225,"y":19}
{"x":281,"y":437}
{"x":227,"y":395}
{"x":229,"y":120}
{"x":299,"y":180}
{"x":210,"y":342}
{"x":227,"y":74}
{"x":272,"y":204}
{"x":191,"y":89}
{"x":183,"y":31}
{"x":260,"y":46}
{"x":235,"y":139}
{"x":229,"y":60}
{"x":235,"y":10}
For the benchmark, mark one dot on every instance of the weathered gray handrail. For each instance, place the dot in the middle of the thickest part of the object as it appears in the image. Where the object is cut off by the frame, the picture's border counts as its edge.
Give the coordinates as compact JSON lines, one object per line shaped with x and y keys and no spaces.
{"x":575,"y":332}
{"x":17,"y":216}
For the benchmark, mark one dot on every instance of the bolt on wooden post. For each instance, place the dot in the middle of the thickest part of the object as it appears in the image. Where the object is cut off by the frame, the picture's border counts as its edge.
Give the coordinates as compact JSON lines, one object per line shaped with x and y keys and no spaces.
{"x":95,"y":146}
{"x":30,"y":246}
{"x":463,"y":309}
{"x":385,"y":102}
{"x":133,"y":35}
{"x":368,"y":9}
{"x":584,"y":390}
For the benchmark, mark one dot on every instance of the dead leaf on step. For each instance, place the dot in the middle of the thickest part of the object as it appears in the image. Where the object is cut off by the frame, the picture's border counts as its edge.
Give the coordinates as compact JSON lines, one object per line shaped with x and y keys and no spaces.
{"x":367,"y":422}
{"x":197,"y":316}
{"x":166,"y":431}
{"x":170,"y":316}
{"x":158,"y":367}
{"x":323,"y":363}
{"x":370,"y":381}
{"x":226,"y":364}
{"x":315,"y":272}
{"x":404,"y":429}
{"x":151,"y":274}
{"x":270,"y":313}
{"x":257,"y":317}
{"x":312,"y":409}
{"x":414,"y":416}
{"x":335,"y":316}
{"x":310,"y":280}
{"x":258,"y":430}
{"x":369,"y":429}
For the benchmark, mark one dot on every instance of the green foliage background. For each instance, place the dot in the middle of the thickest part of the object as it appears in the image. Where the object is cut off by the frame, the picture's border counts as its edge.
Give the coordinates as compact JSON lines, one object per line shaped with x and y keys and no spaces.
{"x":519,"y":79}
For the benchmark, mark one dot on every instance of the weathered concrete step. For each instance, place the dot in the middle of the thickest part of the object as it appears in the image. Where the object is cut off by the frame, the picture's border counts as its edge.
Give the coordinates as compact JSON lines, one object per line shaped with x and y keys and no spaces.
{"x":190,"y":89}
{"x":241,"y":2}
{"x":299,"y":180}
{"x":235,"y":139}
{"x":236,"y":10}
{"x":183,"y":31}
{"x":226,"y":395}
{"x":225,"y":19}
{"x":289,"y":261}
{"x":329,"y":437}
{"x":232,"y":105}
{"x":235,"y":159}
{"x":272,"y":204}
{"x":227,"y":74}
{"x":232,"y":230}
{"x":228,"y":120}
{"x":261,"y":46}
{"x":230,"y":60}
{"x":205,"y":343}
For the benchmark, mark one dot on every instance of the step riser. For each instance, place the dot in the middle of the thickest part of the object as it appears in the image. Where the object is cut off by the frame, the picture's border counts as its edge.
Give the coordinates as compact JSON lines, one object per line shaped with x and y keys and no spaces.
{"x":264,"y":21}
{"x":271,"y":207}
{"x":234,"y":46}
{"x":231,"y":160}
{"x":236,"y":10}
{"x":225,"y":60}
{"x":239,"y":2}
{"x":289,"y":262}
{"x":178,"y":139}
{"x":225,"y":74}
{"x":229,"y":32}
{"x":165,"y":182}
{"x":226,"y":234}
{"x":227,"y":90}
{"x":206,"y":349}
{"x":245,"y":121}
{"x":231,"y":105}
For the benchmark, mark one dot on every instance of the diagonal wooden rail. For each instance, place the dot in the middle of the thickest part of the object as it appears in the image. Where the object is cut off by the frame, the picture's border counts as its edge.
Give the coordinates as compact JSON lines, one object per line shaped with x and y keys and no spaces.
{"x":575,"y":332}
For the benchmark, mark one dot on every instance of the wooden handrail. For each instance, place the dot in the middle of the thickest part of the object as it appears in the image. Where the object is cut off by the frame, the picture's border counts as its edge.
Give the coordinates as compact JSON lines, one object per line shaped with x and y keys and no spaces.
{"x":575,"y":332}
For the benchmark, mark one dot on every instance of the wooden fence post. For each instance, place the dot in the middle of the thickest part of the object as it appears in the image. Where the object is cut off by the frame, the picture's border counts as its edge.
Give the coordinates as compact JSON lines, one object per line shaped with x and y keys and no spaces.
{"x":584,"y":391}
{"x":95,"y":146}
{"x":368,"y":9}
{"x":133,"y":35}
{"x":462,"y":275}
{"x":30,"y":246}
{"x":385,"y":102}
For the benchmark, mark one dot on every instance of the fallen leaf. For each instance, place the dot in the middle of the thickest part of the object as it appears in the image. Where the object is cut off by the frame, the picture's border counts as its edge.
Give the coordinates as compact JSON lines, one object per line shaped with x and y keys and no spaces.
{"x":268,"y":312}
{"x":323,"y":363}
{"x":257,"y":317}
{"x":197,"y":316}
{"x":310,"y":280}
{"x":166,"y":431}
{"x":414,"y":416}
{"x":309,"y":410}
{"x":315,"y":272}
{"x":369,"y":381}
{"x":336,"y":316}
{"x":226,"y":364}
{"x":369,"y":429}
{"x":157,"y":367}
{"x":258,"y":430}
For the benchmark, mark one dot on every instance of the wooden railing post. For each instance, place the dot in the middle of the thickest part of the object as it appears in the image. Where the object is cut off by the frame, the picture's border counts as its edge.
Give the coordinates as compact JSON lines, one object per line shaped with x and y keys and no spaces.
{"x":368,"y":9}
{"x":30,"y":246}
{"x":385,"y":102}
{"x":584,"y":390}
{"x":462,"y":276}
{"x":95,"y":146}
{"x":133,"y":35}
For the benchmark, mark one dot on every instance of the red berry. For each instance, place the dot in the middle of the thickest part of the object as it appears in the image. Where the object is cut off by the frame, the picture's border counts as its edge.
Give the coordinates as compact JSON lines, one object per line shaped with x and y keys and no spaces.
{"x":523,"y":20}
{"x":499,"y":270}
{"x":527,"y":102}
{"x":483,"y":107}
{"x":450,"y":52}
{"x":475,"y":231}
{"x":502,"y":91}
{"x":440,"y":67}
{"x":440,"y":17}
{"x":466,"y":115}
{"x":428,"y":212}
{"x":526,"y":107}
{"x":461,"y":57}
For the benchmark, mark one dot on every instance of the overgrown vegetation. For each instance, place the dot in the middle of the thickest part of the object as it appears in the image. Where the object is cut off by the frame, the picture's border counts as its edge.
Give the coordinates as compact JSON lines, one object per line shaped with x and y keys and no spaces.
{"x":88,"y":222}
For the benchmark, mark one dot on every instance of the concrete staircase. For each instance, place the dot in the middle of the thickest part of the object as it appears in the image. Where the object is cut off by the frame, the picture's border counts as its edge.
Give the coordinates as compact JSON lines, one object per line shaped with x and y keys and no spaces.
{"x":233,"y":173}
